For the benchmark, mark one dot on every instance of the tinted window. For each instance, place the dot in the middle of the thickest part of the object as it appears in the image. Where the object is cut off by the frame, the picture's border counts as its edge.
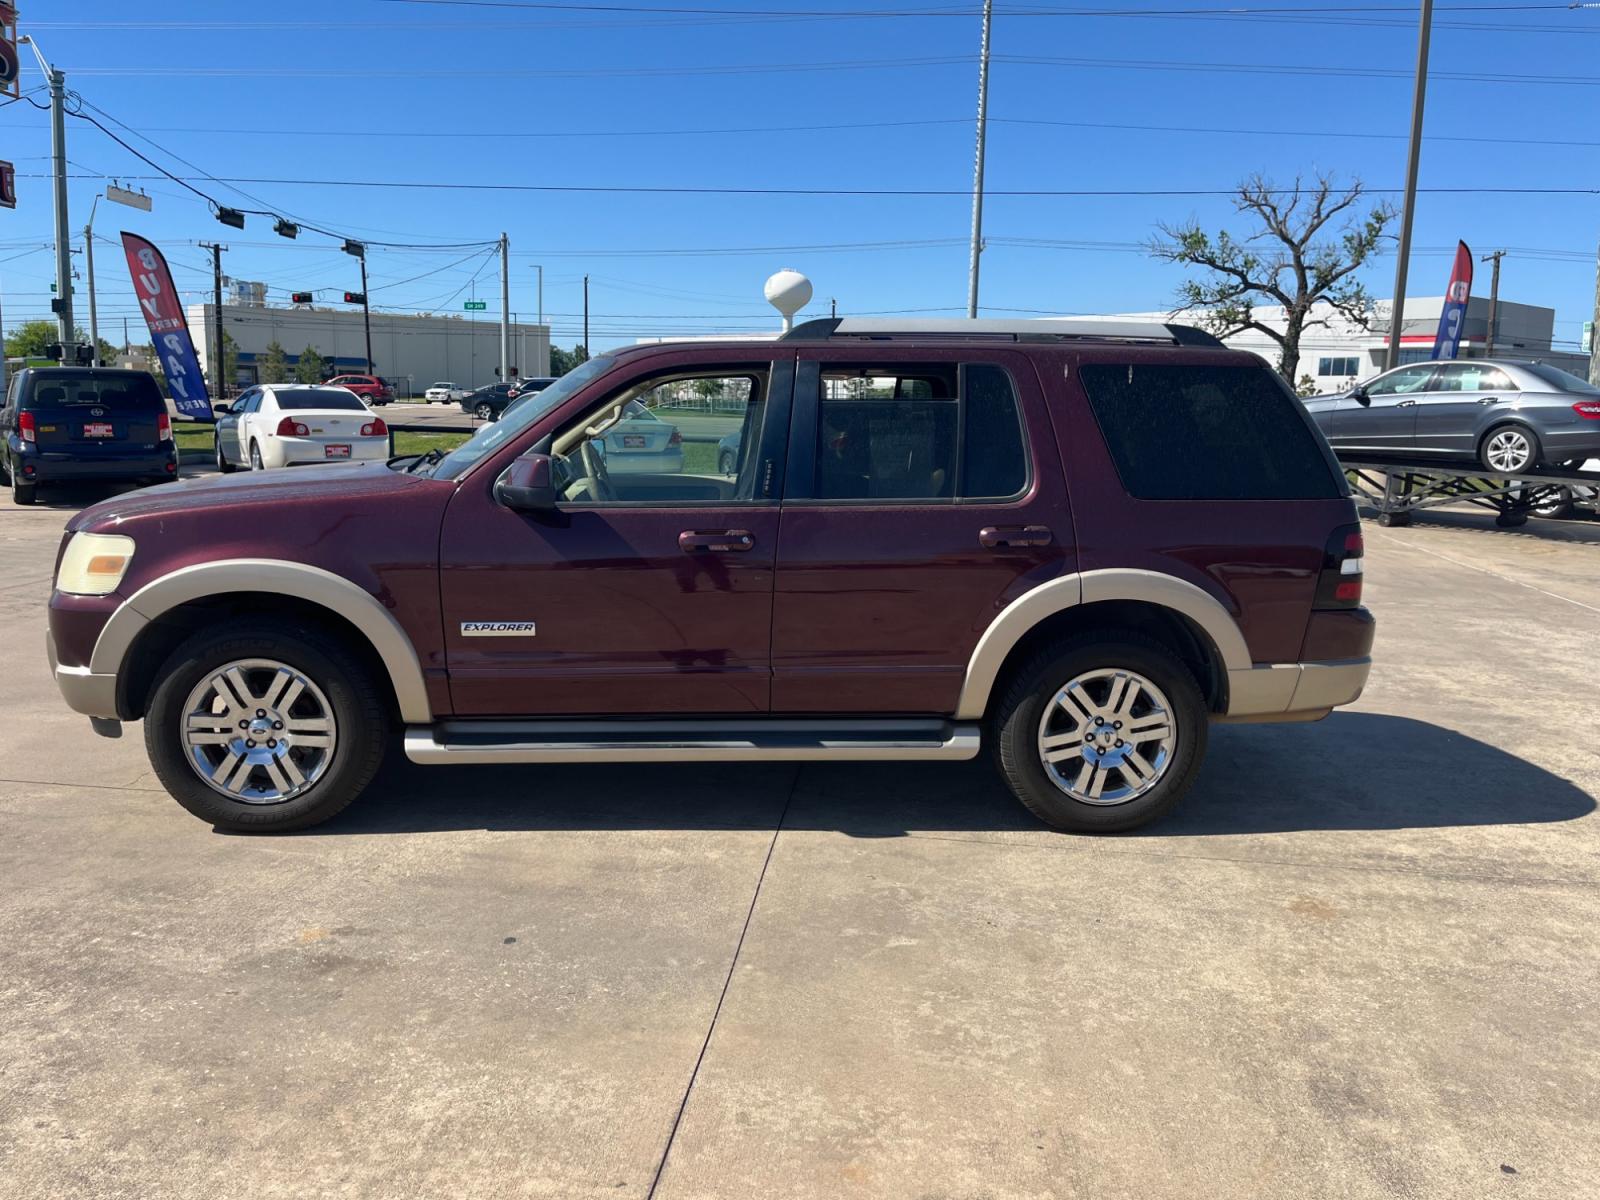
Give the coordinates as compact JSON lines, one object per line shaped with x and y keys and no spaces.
{"x":1561,"y":380}
{"x":319,"y":398}
{"x":918,"y":432}
{"x":1207,"y":433}
{"x":128,"y":391}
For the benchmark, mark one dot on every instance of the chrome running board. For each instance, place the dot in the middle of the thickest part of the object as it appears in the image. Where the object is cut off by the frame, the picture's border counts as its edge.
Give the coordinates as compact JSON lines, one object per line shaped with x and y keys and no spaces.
{"x":772,"y":740}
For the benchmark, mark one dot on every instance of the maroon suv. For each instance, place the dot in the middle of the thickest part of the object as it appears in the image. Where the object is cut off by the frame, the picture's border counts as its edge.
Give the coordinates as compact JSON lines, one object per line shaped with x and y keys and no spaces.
{"x":1078,"y":543}
{"x":369,"y":387}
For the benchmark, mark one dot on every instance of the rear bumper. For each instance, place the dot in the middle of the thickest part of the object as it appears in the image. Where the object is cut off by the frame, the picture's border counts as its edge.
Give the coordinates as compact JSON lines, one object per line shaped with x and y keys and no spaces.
{"x":299,"y":452}
{"x":1306,"y":691}
{"x":50,"y":468}
{"x":84,"y":691}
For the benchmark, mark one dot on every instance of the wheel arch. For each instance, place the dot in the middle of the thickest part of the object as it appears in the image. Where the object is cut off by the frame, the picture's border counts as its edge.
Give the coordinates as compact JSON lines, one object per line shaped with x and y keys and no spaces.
{"x":1173,"y":611}
{"x":1510,"y":420}
{"x":150,"y":624}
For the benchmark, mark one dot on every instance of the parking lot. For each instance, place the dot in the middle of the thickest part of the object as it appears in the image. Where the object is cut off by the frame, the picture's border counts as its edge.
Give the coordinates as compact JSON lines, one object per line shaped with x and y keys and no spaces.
{"x":1360,"y":961}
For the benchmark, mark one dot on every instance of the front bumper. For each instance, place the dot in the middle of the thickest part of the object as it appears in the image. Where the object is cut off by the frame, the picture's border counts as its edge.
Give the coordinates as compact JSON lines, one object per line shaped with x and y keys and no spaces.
{"x":94,"y":696}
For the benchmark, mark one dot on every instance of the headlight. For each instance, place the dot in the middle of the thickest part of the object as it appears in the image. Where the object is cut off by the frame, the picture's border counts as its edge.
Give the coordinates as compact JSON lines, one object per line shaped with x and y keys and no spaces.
{"x":94,"y":563}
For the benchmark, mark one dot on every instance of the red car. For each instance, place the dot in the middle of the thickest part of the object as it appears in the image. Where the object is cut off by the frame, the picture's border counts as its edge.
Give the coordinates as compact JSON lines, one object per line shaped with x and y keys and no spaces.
{"x":1076,"y":544}
{"x":369,"y":387}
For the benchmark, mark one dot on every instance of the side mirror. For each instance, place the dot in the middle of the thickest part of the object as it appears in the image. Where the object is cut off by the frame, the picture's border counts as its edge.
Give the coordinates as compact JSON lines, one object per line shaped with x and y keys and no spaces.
{"x":529,"y":484}
{"x":1359,"y":395}
{"x":221,"y":410}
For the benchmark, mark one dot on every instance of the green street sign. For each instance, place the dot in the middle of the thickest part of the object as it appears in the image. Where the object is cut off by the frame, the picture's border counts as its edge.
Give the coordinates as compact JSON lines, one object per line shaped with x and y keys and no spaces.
{"x":475,"y":305}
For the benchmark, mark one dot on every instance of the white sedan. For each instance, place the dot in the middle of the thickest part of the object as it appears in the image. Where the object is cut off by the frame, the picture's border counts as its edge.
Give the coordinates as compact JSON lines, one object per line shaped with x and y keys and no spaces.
{"x":285,"y":425}
{"x":446,"y":393}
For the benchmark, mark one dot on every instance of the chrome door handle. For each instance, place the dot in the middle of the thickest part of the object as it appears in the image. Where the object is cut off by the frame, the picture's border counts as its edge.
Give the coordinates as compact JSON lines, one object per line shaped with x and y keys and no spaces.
{"x":1490,"y":400}
{"x":719,"y":542}
{"x":1406,"y":404}
{"x":992,"y":537}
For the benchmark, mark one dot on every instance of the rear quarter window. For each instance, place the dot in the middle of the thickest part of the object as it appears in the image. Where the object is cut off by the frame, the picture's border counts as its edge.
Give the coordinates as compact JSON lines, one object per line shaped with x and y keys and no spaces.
{"x":1207,"y":433}
{"x":133,"y":391}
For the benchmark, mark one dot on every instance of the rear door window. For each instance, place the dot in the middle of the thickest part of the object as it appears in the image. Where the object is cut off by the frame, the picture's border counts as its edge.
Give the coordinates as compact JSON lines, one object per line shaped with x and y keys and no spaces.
{"x":1207,"y":433}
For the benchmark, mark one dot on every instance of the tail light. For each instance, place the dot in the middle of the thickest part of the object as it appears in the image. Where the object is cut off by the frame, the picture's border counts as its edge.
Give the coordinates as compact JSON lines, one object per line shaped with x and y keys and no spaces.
{"x":1339,"y":584}
{"x":676,"y":439}
{"x":26,"y":427}
{"x":1589,"y":409}
{"x":375,"y":428}
{"x":163,"y":428}
{"x":289,"y":427}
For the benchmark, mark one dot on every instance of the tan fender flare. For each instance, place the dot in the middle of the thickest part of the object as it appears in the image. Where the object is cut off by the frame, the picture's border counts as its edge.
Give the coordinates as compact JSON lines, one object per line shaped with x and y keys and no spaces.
{"x":313,"y":584}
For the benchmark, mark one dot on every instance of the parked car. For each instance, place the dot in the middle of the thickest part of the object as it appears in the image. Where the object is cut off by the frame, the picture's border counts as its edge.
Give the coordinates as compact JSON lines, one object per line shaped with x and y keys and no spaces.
{"x":370,"y":388}
{"x":287,"y":425}
{"x":445,"y":393}
{"x":728,"y":452}
{"x":1507,"y":415}
{"x":531,"y":384}
{"x":487,"y":403}
{"x":1075,"y":544}
{"x":641,"y":442}
{"x":65,"y":424}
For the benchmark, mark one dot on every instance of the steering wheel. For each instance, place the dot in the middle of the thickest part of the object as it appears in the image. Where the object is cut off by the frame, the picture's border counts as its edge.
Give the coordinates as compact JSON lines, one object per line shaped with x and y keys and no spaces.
{"x":594,"y":466}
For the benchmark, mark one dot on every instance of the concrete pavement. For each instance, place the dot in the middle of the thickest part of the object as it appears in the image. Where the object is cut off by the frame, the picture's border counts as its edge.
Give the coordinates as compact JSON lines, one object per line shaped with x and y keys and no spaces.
{"x":1361,"y":961}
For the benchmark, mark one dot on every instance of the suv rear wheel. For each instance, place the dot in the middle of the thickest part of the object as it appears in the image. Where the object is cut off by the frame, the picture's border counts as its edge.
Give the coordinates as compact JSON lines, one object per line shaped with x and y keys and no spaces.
{"x":1101,"y":736}
{"x":268,"y":731}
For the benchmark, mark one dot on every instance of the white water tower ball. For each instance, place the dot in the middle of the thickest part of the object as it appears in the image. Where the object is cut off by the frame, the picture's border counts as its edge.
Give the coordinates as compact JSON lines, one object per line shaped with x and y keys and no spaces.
{"x":788,"y":292}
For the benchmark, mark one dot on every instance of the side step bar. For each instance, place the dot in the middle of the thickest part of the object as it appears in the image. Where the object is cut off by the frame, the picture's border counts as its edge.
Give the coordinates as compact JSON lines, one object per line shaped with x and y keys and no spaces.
{"x":772,"y":740}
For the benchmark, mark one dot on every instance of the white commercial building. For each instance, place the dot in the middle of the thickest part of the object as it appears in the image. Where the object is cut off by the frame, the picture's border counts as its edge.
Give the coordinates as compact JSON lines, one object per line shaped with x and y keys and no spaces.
{"x":1337,"y":354}
{"x":411,"y":352}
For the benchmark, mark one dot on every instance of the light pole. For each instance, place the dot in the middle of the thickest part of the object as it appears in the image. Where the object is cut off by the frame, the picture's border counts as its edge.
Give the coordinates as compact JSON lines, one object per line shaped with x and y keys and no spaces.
{"x":88,"y":262}
{"x":1391,"y":358}
{"x":977,"y":173}
{"x":1494,"y":301}
{"x":58,"y":156}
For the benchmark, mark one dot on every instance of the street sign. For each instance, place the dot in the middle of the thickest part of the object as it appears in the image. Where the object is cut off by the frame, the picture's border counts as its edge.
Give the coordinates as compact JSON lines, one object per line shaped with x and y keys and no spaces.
{"x":10,"y":64}
{"x":123,"y":196}
{"x":8,"y":185}
{"x":476,"y":305}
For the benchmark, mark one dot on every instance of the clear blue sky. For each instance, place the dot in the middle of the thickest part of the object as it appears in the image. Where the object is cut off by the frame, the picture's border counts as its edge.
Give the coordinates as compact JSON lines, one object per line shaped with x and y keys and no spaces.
{"x":579,"y":96}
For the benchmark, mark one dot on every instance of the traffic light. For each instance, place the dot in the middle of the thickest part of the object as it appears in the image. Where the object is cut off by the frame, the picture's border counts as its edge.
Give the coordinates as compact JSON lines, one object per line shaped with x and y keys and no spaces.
{"x":300,"y":297}
{"x":355,"y":297}
{"x":53,"y":352}
{"x":230,"y":216}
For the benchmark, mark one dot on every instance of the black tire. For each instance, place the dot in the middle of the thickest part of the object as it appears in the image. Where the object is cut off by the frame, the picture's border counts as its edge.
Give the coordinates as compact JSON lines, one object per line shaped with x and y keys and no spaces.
{"x":1014,"y":729}
{"x":725,"y":462}
{"x":5,"y":472}
{"x":1534,"y":451}
{"x":223,"y":465}
{"x":255,"y":457}
{"x":23,"y":493}
{"x":359,"y":710}
{"x":484,"y":412}
{"x":1514,"y":520}
{"x":1394,"y":520}
{"x":1559,"y":507}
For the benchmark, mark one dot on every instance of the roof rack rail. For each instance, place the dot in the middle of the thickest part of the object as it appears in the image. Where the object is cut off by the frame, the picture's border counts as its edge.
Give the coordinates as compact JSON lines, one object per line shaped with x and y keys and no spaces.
{"x":1048,"y":329}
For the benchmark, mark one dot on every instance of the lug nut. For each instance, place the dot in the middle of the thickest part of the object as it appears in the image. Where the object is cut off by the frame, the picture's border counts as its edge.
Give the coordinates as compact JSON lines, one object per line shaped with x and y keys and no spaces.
{"x":1119,"y":741}
{"x":249,"y":744}
{"x":1099,"y":721}
{"x":277,"y":724}
{"x":272,"y":743}
{"x":244,"y":724}
{"x":261,"y":712}
{"x":1117,"y":725}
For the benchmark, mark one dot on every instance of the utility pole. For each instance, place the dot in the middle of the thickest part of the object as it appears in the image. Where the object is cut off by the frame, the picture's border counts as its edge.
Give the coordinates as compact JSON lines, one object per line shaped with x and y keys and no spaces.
{"x":1494,"y":301}
{"x":217,"y":382}
{"x":1391,"y":358}
{"x":540,"y":269}
{"x":977,"y":174}
{"x":366,"y":313}
{"x":586,"y":316}
{"x":67,"y":331}
{"x":833,"y":307}
{"x":88,"y":262}
{"x":505,"y":308}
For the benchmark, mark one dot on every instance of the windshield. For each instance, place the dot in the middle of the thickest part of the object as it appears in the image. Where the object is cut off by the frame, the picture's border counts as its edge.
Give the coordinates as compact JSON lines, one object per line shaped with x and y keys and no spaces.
{"x":518,"y":417}
{"x":319,"y":398}
{"x":1561,"y":380}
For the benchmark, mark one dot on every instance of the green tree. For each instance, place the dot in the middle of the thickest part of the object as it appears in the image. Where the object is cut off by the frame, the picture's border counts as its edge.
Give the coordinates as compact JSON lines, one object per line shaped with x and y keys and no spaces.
{"x":562,"y":361}
{"x":312,"y":367}
{"x":272,"y":365}
{"x":1309,"y":243}
{"x":230,"y":361}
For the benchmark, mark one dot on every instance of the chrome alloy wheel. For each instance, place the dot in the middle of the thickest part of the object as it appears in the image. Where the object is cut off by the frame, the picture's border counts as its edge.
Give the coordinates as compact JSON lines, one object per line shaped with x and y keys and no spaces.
{"x":1107,"y":737}
{"x":1509,"y":450}
{"x":258,"y":731}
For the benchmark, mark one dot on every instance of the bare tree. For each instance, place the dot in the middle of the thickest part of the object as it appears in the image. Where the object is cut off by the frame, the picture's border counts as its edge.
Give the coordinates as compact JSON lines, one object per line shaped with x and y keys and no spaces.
{"x":1311,"y":242}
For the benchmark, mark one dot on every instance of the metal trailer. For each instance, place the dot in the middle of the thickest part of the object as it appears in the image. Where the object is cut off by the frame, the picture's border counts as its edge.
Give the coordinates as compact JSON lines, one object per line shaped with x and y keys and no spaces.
{"x":1398,"y":488}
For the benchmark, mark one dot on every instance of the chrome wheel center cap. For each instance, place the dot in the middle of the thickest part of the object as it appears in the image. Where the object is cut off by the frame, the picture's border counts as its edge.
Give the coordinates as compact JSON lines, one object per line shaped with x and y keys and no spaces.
{"x":260,"y":728}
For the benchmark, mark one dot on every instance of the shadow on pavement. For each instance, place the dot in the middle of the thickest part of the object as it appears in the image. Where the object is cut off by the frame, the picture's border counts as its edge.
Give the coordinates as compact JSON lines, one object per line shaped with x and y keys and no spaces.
{"x":1353,"y":771}
{"x":1579,"y":531}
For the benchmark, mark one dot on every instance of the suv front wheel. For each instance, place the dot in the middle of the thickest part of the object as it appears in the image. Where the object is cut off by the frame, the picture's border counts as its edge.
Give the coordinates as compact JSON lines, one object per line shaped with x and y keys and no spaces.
{"x":1101,"y":736}
{"x":266,"y":731}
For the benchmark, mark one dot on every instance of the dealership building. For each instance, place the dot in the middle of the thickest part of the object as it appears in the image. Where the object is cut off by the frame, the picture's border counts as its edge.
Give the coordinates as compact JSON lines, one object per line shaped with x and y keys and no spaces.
{"x":1339,"y":353}
{"x":410,"y":351}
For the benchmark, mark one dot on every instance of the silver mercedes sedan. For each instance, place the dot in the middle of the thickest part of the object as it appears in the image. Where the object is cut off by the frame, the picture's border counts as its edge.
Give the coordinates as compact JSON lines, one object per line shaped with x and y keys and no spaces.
{"x":1509,"y":415}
